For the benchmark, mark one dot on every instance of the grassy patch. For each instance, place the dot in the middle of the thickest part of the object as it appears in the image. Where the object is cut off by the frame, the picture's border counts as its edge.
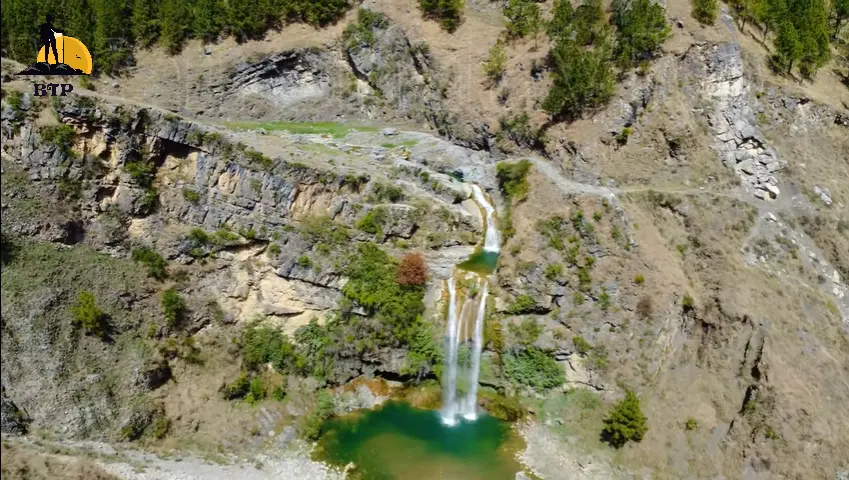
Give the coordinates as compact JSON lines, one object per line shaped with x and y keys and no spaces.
{"x":336,"y":130}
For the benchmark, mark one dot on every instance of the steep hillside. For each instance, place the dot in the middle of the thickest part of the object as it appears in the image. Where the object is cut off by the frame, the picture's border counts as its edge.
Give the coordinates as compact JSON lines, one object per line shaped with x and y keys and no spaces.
{"x":199,"y":253}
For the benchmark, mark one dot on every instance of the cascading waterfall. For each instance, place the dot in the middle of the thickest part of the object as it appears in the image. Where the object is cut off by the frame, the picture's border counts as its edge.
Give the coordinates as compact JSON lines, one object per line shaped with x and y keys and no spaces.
{"x":491,"y":243}
{"x":449,"y":392}
{"x":452,"y":406}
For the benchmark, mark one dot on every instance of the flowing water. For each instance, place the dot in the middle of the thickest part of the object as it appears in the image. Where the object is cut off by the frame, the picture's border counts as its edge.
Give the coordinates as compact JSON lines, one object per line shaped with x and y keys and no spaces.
{"x":400,"y":442}
{"x":462,"y":328}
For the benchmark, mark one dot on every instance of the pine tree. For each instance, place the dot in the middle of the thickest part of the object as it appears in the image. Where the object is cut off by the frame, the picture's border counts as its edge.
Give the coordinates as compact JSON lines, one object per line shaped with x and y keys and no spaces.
{"x":175,"y":19}
{"x":705,"y":11}
{"x":625,"y":422}
{"x":590,"y":23}
{"x":145,"y":21}
{"x":642,"y":29}
{"x":112,"y":42}
{"x":208,"y":18}
{"x":775,"y":11}
{"x":788,"y":48}
{"x":560,"y":25}
{"x":840,"y":10}
{"x":582,"y":78}
{"x":519,"y":15}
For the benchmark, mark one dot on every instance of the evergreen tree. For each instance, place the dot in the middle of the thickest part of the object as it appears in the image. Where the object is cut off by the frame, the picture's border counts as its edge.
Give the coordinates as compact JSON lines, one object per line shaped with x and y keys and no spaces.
{"x":840,"y":10}
{"x":519,"y":15}
{"x":145,"y":21}
{"x":642,"y":29}
{"x":174,"y":17}
{"x":112,"y":42}
{"x":560,"y":25}
{"x":705,"y":11}
{"x":775,"y":11}
{"x":625,"y":422}
{"x":590,"y":23}
{"x":788,"y":47}
{"x":582,"y":78}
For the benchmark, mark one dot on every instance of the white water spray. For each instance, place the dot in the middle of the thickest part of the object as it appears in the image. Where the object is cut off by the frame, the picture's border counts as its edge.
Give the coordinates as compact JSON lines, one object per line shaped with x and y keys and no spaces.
{"x":492,"y":243}
{"x":449,"y":391}
{"x":470,"y":405}
{"x":457,"y":323}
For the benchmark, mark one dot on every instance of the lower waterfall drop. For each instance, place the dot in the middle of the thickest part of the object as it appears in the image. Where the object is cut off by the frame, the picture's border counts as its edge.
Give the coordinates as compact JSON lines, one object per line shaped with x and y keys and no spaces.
{"x":460,"y":329}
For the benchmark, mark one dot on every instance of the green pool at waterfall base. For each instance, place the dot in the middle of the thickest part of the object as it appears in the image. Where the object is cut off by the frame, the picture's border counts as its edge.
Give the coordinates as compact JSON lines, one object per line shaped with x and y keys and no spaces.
{"x":481,"y":261}
{"x":399,"y":442}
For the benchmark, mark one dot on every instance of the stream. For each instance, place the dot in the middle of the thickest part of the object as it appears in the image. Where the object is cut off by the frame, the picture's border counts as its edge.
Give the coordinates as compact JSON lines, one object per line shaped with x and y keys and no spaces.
{"x":460,"y":441}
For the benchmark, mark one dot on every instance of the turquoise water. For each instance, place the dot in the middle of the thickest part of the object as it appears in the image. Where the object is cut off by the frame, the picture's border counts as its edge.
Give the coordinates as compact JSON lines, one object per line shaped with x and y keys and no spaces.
{"x":481,"y":261}
{"x":399,"y":442}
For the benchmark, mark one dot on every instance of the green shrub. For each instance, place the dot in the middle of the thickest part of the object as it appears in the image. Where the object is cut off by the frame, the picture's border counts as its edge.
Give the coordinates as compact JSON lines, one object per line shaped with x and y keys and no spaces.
{"x":496,"y":63}
{"x":88,"y":316}
{"x":519,"y":130}
{"x":153,"y":261}
{"x":553,"y":229}
{"x":705,"y":11}
{"x":60,"y":135}
{"x":578,"y":298}
{"x":521,"y":15}
{"x":512,"y":179}
{"x":191,"y":195}
{"x":604,"y":300}
{"x":304,"y":261}
{"x":392,"y":193}
{"x":526,"y":332}
{"x":362,"y":32}
{"x":553,"y":271}
{"x":256,"y":391}
{"x":582,"y":79}
{"x":236,"y":390}
{"x":141,"y":172}
{"x":582,"y":346}
{"x":534,"y":368}
{"x":311,"y":428}
{"x":173,"y":306}
{"x":642,"y":28}
{"x":639,"y":279}
{"x":691,"y":424}
{"x":373,"y":221}
{"x":449,"y":13}
{"x":625,"y":422}
{"x":258,"y":158}
{"x":523,"y":304}
{"x":688,"y":303}
{"x":273,"y":250}
{"x":160,"y":427}
{"x":323,"y":229}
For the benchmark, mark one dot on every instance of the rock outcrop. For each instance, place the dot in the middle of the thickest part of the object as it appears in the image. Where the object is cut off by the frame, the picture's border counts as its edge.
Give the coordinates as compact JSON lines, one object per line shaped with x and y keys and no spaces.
{"x":739,"y":142}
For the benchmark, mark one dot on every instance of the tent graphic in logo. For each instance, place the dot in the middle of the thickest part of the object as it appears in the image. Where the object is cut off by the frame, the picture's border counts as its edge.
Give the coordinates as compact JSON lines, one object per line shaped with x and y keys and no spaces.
{"x":59,"y":54}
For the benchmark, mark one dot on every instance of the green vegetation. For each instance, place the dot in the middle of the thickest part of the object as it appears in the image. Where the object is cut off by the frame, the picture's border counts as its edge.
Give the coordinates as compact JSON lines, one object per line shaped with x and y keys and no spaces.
{"x":523,"y":18}
{"x":273,"y":250}
{"x":88,"y":316}
{"x":304,"y":261}
{"x":60,"y":135}
{"x":383,"y":192}
{"x":112,"y":29}
{"x":323,"y":229}
{"x":582,"y":346}
{"x":534,"y":368}
{"x":373,"y":221}
{"x":141,"y":171}
{"x":153,"y":261}
{"x":642,"y":28}
{"x":173,"y":306}
{"x":191,"y":195}
{"x":527,"y":332}
{"x":705,"y":11}
{"x":362,"y":32}
{"x":523,"y":304}
{"x":512,"y":179}
{"x":311,"y":428}
{"x":238,"y":389}
{"x":625,"y":422}
{"x":801,"y":28}
{"x":496,"y":63}
{"x":691,"y":424}
{"x":519,"y":130}
{"x":449,"y":13}
{"x":554,"y":271}
{"x":639,"y":279}
{"x":336,"y":130}
{"x":256,"y":391}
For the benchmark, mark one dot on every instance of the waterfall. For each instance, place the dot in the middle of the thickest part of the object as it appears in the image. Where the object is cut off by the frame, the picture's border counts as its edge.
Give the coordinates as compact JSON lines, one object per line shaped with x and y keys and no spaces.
{"x":449,"y":391}
{"x":467,"y":406}
{"x":492,"y":242}
{"x":470,"y":407}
